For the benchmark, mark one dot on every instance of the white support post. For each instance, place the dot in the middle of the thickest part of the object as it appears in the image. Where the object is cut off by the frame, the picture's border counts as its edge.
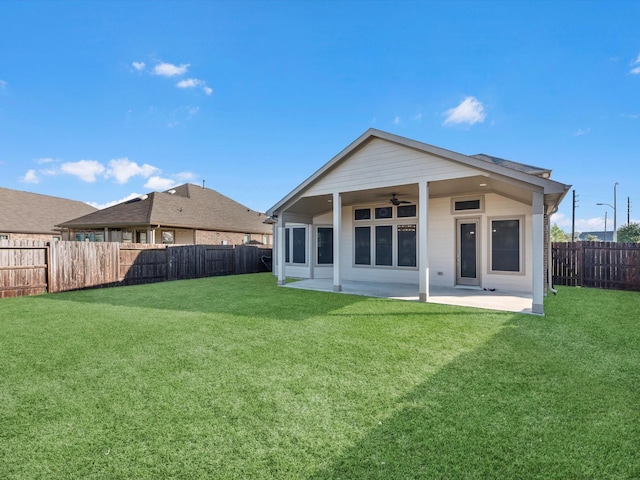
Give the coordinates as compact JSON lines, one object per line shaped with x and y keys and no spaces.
{"x":337,"y":228}
{"x":280,"y":254}
{"x":537,"y":276}
{"x":423,"y":250}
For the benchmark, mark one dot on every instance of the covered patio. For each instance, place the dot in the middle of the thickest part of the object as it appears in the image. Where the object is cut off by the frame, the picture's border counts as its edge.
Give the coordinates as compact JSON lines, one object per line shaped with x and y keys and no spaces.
{"x":459,"y":296}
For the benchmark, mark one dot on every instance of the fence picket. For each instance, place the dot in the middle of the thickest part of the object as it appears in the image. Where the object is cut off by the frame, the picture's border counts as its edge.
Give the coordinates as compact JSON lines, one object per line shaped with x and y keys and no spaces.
{"x":31,"y":268}
{"x":597,"y":264}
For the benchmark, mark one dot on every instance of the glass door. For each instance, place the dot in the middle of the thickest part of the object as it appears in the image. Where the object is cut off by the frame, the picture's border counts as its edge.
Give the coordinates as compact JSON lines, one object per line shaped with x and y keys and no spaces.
{"x":467,"y":261}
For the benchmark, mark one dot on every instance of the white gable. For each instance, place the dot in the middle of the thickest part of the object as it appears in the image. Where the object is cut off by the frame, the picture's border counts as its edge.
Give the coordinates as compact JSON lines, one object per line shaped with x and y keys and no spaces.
{"x":381,"y":163}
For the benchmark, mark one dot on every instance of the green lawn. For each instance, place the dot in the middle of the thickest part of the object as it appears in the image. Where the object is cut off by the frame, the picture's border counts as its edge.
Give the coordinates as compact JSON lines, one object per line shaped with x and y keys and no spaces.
{"x":233,"y":377}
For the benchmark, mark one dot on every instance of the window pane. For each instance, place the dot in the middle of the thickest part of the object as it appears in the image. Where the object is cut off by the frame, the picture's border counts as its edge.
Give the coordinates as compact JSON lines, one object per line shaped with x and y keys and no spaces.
{"x":363,"y":245}
{"x":167,"y":237}
{"x":287,"y":245}
{"x":505,"y":245}
{"x":468,"y":253}
{"x":384,"y":247}
{"x":467,"y":205}
{"x":363,"y":214}
{"x":406,"y":245}
{"x":299,"y":245}
{"x":325,"y":246}
{"x":384,"y":212}
{"x":406,"y":211}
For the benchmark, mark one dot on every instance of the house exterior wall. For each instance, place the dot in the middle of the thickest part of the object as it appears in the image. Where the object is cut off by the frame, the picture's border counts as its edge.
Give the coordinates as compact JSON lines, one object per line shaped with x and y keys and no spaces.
{"x":381,"y":163}
{"x":31,"y":236}
{"x":441,"y":244}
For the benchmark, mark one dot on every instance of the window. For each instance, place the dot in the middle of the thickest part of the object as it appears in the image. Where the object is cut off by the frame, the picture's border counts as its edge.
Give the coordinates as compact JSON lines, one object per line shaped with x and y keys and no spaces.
{"x":385,"y":241}
{"x":363,"y":214}
{"x":246,"y":238}
{"x":299,"y":235}
{"x":127,"y":236}
{"x":99,"y":236}
{"x":168,"y":236}
{"x":363,"y":246}
{"x":505,"y":245}
{"x":325,"y":245}
{"x":384,"y":246}
{"x":384,"y":212}
{"x":295,"y":245}
{"x":405,"y":211}
{"x":467,"y":204}
{"x":407,"y":246}
{"x":265,"y":239}
{"x":4,"y":237}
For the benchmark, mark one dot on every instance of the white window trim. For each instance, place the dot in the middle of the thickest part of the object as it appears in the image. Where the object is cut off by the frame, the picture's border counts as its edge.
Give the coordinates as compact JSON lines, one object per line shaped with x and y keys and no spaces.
{"x":467,"y":198}
{"x":291,"y":227}
{"x":521,"y":245}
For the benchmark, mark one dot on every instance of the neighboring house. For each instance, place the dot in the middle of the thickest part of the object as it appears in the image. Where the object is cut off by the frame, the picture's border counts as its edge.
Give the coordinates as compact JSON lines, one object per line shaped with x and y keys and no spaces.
{"x":597,"y":236}
{"x":188,"y":214}
{"x":391,"y":209}
{"x":33,"y":216}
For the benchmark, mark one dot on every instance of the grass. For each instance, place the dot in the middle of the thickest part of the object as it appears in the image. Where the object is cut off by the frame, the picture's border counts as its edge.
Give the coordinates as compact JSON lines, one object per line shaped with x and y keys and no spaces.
{"x":236,"y":378}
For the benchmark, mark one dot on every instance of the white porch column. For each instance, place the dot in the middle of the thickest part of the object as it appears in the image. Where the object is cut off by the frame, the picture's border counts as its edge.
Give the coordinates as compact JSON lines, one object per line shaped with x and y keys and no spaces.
{"x":337,"y":228}
{"x":423,"y":249}
{"x":280,"y":255}
{"x":538,"y":253}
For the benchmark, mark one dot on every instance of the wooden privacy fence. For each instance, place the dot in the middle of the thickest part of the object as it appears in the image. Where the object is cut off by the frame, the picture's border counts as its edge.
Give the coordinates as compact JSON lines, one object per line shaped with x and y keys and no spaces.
{"x":607,"y":265}
{"x":31,"y":267}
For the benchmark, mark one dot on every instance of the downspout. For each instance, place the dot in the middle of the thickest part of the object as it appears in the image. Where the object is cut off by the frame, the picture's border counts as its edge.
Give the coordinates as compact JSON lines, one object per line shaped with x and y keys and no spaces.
{"x":550,"y":257}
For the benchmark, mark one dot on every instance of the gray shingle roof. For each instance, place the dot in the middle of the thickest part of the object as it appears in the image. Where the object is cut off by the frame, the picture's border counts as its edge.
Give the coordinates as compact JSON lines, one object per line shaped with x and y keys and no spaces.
{"x":191,"y":206}
{"x":25,"y":212}
{"x":521,"y":167}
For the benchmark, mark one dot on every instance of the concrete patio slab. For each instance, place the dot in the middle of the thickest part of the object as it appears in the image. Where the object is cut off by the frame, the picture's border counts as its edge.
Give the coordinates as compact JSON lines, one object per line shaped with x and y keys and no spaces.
{"x":460,"y":296}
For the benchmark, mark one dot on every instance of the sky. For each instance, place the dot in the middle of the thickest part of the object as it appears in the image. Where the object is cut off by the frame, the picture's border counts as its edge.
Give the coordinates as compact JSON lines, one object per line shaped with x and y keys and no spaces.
{"x":101,"y":101}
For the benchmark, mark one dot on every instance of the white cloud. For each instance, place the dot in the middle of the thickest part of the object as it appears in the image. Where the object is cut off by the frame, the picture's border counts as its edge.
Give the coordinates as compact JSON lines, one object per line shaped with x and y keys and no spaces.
{"x":193,"y":83}
{"x":189,"y":83}
{"x":636,"y":70}
{"x":396,"y":120}
{"x":101,"y":206}
{"x":30,"y":177}
{"x":42,"y":161}
{"x":139,"y":65}
{"x":417,"y":116}
{"x":470,"y":111}
{"x":170,"y":70}
{"x":581,"y":132}
{"x":3,"y":84}
{"x":85,"y":170}
{"x":159,"y":184}
{"x":184,"y":176}
{"x":122,"y":169}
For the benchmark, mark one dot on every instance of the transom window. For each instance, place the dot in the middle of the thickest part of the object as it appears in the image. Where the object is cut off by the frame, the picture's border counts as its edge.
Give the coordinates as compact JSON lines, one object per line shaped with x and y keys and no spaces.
{"x":467,"y":204}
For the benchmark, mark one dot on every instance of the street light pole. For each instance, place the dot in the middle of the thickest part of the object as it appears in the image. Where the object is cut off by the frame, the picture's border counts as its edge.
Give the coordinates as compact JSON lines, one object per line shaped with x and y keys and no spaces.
{"x":605,"y":220}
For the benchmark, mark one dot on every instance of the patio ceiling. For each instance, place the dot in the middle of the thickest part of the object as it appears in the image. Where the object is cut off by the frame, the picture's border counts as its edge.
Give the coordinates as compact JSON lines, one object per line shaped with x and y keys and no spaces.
{"x":474,"y":185}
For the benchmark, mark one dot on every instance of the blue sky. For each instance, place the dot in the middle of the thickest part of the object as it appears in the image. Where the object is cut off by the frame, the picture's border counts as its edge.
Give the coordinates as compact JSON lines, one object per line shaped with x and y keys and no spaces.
{"x":103,"y":100}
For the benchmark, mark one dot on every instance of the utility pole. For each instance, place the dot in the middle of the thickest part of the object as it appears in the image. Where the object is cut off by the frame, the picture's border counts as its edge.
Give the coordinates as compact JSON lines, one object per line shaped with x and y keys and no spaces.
{"x":615,"y":225}
{"x":573,"y":218}
{"x":605,"y":225}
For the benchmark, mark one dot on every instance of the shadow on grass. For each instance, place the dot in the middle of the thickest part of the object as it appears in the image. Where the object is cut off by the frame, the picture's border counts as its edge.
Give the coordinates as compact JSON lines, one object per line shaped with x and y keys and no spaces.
{"x":532,"y":402}
{"x":250,"y":295}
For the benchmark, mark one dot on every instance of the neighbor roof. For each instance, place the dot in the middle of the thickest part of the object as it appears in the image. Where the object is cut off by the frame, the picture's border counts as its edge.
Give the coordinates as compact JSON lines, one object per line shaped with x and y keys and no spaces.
{"x":186,"y":206}
{"x":26,"y":212}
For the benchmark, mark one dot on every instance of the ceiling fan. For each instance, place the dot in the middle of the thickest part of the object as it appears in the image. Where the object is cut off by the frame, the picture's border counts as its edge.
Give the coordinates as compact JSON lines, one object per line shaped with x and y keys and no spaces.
{"x":396,"y":201}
